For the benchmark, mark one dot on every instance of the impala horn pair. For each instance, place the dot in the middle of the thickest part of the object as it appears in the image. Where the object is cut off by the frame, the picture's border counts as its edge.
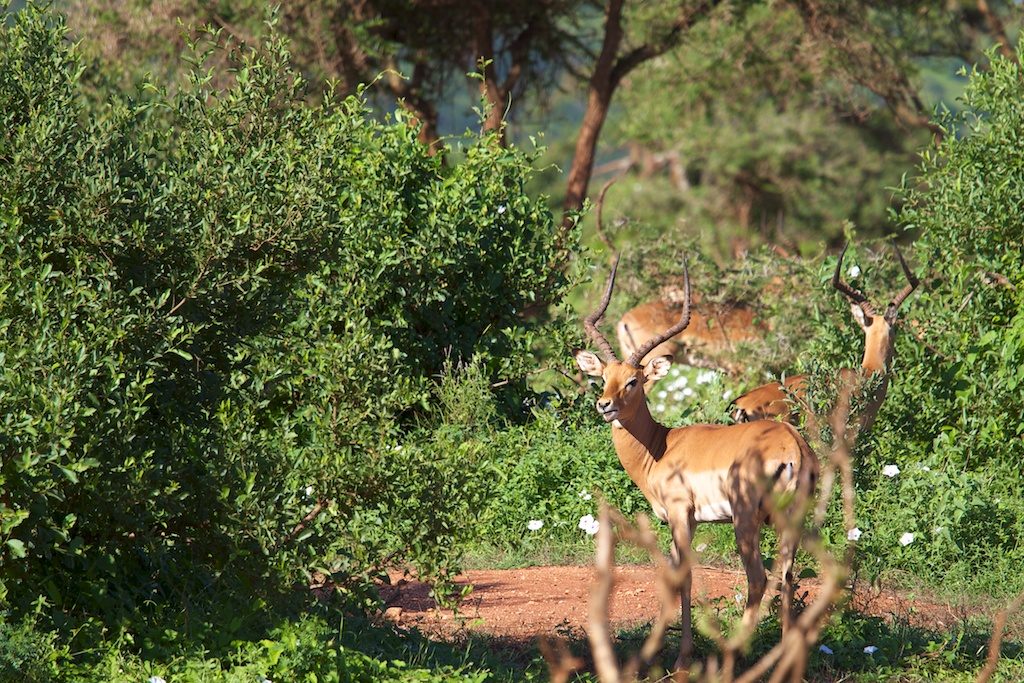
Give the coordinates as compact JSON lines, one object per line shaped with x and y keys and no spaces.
{"x":591,"y":322}
{"x":858,"y":298}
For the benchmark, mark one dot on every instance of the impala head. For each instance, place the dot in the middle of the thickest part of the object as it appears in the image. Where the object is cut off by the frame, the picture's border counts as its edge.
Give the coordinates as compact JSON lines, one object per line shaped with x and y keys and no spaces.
{"x":879,"y":330}
{"x":624,"y":381}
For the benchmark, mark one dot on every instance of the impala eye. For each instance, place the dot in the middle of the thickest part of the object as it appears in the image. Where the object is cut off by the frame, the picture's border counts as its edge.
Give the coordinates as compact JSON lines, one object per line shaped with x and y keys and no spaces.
{"x":631,"y":383}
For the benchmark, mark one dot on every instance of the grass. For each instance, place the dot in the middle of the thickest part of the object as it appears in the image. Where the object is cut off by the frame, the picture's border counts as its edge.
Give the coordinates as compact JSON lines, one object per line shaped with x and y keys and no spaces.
{"x":321,"y":642}
{"x":904,"y":652}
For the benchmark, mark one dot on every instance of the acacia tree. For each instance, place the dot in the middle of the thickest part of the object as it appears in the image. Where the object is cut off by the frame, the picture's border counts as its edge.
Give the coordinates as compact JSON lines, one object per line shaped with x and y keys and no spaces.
{"x":610,"y":68}
{"x":423,"y":48}
{"x":787,"y":117}
{"x":874,"y":46}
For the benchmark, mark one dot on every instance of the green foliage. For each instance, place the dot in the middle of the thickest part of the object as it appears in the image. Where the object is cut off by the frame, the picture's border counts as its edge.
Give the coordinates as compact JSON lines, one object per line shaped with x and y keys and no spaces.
{"x":952,"y":418}
{"x":221,"y":312}
{"x":767,"y":147}
{"x":308,"y":648}
{"x":27,"y":653}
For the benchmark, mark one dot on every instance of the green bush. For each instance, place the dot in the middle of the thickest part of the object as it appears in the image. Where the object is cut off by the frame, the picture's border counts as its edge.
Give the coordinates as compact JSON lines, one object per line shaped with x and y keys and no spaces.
{"x":220,"y":311}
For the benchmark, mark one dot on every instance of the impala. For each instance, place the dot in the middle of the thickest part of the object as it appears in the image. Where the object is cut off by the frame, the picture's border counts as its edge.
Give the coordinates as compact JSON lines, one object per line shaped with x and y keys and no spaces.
{"x":772,"y":400}
{"x":703,"y":473}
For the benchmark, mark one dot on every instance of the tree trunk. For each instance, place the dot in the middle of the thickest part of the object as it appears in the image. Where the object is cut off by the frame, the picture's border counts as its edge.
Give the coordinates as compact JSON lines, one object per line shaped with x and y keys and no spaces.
{"x":599,"y":98}
{"x":409,"y":93}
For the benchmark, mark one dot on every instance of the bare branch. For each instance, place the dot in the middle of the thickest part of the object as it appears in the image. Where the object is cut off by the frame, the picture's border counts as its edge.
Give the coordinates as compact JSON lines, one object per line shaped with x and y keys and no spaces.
{"x":599,"y":631}
{"x":996,"y":642}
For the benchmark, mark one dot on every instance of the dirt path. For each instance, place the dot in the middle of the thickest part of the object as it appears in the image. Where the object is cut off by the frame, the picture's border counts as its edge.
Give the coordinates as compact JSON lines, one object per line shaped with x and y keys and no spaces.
{"x":524,"y":603}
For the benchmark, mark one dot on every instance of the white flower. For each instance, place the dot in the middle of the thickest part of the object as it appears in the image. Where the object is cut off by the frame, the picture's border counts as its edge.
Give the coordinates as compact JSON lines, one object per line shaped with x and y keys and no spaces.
{"x":264,"y":679}
{"x":707,"y":377}
{"x":585,"y":495}
{"x":156,"y":679}
{"x":662,"y":394}
{"x":687,"y":391}
{"x":870,"y":650}
{"x":501,"y":209}
{"x":674,"y":372}
{"x":826,"y":649}
{"x":938,"y":530}
{"x":660,"y":407}
{"x":589,"y":525}
{"x":907,"y":538}
{"x":890,"y":470}
{"x":702,"y":547}
{"x":925,"y":468}
{"x":738,"y":597}
{"x":534,"y":525}
{"x":854,"y":271}
{"x":854,"y":534}
{"x":678,"y":396}
{"x":309,"y":491}
{"x":727,"y":394}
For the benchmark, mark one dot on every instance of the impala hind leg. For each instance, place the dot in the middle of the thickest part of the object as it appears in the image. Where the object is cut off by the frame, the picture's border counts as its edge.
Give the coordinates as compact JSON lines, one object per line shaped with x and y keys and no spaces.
{"x":682,"y":535}
{"x":748,"y":542}
{"x":789,"y":540}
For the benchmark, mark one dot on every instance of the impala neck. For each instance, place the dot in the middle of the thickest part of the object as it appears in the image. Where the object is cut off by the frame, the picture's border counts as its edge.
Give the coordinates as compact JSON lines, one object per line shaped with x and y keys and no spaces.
{"x":640,"y":442}
{"x":877,"y":351}
{"x":878,"y":348}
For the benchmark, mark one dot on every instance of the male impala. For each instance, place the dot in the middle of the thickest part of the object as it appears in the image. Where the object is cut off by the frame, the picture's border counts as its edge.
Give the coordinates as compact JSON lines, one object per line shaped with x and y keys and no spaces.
{"x":703,"y":473}
{"x":771,"y":400}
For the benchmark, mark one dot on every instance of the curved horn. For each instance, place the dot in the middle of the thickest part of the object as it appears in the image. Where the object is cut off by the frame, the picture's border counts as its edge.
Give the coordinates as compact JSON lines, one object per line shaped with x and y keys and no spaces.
{"x":684,"y":320}
{"x":852,"y":294}
{"x":591,"y":321}
{"x":599,"y":208}
{"x":911,"y":280}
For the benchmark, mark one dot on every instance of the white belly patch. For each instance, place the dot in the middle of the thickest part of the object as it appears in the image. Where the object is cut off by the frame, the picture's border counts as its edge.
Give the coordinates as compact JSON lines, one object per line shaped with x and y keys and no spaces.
{"x":714,"y":512}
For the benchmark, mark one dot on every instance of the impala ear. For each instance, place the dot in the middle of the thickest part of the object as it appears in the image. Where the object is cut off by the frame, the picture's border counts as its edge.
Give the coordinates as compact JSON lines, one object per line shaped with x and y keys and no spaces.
{"x":657,"y":368}
{"x":858,"y":315}
{"x":589,"y":363}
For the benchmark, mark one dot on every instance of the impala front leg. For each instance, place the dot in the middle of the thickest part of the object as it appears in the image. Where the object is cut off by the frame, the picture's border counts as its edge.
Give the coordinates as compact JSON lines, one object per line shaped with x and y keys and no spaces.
{"x":682,"y":534}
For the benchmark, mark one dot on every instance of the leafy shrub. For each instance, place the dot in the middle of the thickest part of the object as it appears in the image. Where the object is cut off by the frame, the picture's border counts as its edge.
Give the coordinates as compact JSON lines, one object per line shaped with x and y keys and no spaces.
{"x":221,"y":311}
{"x":27,"y":653}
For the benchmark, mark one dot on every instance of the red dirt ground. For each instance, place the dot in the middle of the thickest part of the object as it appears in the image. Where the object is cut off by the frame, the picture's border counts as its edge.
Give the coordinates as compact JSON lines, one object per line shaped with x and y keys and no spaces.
{"x":524,"y":603}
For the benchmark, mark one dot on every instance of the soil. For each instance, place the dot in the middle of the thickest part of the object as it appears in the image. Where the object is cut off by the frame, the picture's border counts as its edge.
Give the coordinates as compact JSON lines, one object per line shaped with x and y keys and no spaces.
{"x":521,"y":604}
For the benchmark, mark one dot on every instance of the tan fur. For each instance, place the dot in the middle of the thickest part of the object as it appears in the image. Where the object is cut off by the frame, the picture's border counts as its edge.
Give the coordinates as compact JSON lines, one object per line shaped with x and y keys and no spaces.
{"x":711,"y":335}
{"x":770,"y":401}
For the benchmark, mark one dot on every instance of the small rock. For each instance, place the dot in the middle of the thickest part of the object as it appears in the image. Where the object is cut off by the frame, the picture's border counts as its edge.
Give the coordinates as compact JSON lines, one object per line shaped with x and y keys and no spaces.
{"x":393,"y":614}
